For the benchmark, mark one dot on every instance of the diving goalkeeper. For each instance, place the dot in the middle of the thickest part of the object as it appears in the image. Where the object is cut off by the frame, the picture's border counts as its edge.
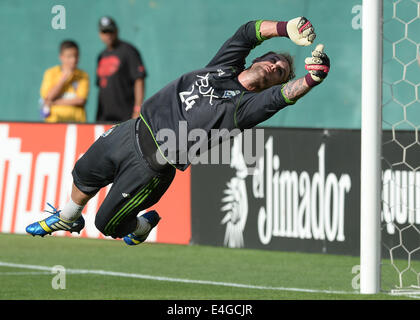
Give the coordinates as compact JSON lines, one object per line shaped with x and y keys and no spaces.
{"x":223,"y":95}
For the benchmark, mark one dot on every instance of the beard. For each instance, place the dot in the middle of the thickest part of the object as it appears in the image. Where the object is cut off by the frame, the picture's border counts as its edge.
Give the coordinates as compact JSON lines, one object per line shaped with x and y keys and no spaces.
{"x":258,"y":77}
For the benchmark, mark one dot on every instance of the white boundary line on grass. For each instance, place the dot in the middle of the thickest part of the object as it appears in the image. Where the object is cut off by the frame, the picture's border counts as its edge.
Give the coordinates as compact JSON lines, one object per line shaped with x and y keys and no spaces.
{"x":168,"y":279}
{"x":24,"y":273}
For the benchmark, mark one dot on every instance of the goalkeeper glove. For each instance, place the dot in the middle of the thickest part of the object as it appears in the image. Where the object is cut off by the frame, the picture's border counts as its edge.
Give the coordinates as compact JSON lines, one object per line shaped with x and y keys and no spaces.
{"x":318,"y":66}
{"x":301,"y":31}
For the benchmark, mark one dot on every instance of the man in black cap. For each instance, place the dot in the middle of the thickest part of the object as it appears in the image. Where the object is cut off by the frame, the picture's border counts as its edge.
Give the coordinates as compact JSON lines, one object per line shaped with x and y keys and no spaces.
{"x":139,"y":157}
{"x":120,"y":76}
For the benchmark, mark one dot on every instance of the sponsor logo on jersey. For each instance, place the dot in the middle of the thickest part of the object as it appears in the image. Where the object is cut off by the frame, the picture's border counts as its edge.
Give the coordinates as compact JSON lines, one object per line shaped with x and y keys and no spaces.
{"x":200,"y":88}
{"x":230,"y":93}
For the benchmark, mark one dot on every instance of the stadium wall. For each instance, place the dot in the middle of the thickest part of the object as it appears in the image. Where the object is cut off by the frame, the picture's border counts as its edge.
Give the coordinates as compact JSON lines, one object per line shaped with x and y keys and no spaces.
{"x":35,"y":167}
{"x":178,"y":36}
{"x":302,"y":193}
{"x":175,"y":37}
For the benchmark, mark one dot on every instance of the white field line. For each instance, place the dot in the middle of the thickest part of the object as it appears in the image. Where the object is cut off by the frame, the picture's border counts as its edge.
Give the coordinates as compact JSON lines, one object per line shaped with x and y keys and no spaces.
{"x":24,"y":273}
{"x":168,"y":279}
{"x":158,"y":278}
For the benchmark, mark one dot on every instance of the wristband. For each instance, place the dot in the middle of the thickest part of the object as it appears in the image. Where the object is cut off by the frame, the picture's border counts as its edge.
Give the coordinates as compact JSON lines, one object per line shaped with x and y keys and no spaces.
{"x":282,"y":29}
{"x":311,"y":82}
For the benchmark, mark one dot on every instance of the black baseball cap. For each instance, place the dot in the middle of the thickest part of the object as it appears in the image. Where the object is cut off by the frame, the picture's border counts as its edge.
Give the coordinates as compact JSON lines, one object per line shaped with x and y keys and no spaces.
{"x":107,"y":24}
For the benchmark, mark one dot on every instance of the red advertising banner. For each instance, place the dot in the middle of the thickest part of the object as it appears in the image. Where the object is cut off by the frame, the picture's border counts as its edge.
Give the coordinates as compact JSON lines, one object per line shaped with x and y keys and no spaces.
{"x":36,"y":161}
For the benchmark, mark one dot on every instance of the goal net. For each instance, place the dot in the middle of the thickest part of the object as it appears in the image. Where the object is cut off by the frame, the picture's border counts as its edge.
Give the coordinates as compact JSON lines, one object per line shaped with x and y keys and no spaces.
{"x":400,"y":218}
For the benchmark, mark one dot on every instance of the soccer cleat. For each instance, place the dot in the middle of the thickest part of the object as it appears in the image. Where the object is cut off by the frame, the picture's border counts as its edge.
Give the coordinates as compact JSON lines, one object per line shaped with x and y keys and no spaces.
{"x":54,"y":223}
{"x":153,"y":218}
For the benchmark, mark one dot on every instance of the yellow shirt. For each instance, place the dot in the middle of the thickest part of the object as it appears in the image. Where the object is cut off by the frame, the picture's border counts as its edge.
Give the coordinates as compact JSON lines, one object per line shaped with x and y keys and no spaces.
{"x":76,"y":86}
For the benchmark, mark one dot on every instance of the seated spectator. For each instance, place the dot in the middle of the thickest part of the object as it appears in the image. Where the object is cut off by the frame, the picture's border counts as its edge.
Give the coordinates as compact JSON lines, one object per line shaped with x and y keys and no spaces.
{"x":65,"y":88}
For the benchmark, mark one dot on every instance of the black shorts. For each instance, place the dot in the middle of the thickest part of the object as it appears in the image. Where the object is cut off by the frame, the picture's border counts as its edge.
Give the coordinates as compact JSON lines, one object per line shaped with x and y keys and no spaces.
{"x":116,"y":158}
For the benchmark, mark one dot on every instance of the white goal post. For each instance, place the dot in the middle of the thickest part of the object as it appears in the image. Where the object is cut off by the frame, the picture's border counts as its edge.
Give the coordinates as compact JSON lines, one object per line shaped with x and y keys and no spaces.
{"x":371,"y":142}
{"x":390,"y":148}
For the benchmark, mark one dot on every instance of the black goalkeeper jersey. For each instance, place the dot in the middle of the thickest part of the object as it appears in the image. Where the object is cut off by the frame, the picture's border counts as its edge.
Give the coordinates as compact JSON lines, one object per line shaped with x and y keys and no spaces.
{"x":212,"y":98}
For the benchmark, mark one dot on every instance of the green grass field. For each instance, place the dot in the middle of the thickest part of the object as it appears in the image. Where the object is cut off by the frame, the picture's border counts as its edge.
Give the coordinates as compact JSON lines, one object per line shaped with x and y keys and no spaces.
{"x":108,"y":269}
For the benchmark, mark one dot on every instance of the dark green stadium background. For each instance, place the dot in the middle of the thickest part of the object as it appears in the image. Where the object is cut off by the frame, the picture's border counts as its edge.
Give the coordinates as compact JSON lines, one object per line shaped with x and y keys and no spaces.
{"x":176,"y":36}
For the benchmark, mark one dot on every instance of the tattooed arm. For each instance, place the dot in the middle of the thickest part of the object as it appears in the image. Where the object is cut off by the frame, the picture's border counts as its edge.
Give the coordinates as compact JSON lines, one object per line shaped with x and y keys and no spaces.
{"x":318,"y":67}
{"x":254,"y":108}
{"x":295,"y":89}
